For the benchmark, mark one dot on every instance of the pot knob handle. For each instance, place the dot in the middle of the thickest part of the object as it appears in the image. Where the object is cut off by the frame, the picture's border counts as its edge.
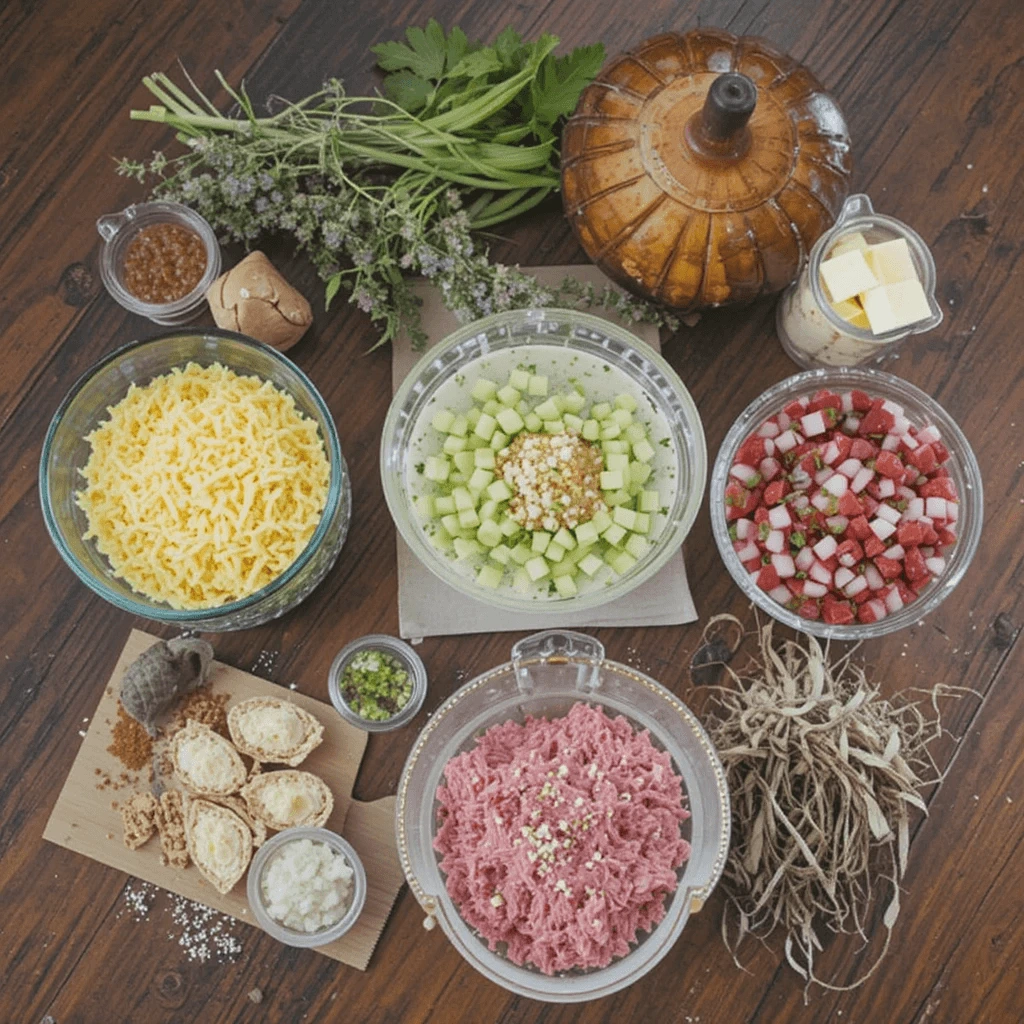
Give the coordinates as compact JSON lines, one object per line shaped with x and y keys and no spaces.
{"x":558,"y":647}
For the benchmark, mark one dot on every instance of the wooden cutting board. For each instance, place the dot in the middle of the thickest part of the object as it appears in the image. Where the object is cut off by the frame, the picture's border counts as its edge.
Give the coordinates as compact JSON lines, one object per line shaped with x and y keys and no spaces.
{"x":85,"y":821}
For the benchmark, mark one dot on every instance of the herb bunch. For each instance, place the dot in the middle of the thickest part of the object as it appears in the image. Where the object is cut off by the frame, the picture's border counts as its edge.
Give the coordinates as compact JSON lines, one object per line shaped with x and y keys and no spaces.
{"x":377,"y":188}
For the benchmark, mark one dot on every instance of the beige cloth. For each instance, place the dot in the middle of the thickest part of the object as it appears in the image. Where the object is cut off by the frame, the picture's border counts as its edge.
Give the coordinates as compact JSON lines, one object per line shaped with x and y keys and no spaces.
{"x":429,"y":607}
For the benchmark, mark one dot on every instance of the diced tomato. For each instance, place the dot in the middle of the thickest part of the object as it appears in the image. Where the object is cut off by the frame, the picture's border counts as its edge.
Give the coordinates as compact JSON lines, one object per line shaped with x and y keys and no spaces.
{"x":795,"y":409}
{"x":859,"y":528}
{"x":888,"y":567}
{"x":910,"y":534}
{"x":850,"y":506}
{"x":776,"y":491}
{"x":931,"y":536}
{"x":913,"y":564}
{"x":795,"y":586}
{"x":761,"y":515}
{"x":923,"y":457}
{"x":870,"y":504}
{"x":941,"y":451}
{"x":876,"y":420}
{"x":836,"y":613}
{"x":889,"y":464}
{"x":946,"y":536}
{"x":768,"y":578}
{"x":809,"y":610}
{"x":824,"y":400}
{"x":849,"y":553}
{"x":861,"y":402}
{"x":907,"y":593}
{"x":866,"y":613}
{"x":863,"y":595}
{"x":831,"y":563}
{"x":862,"y":449}
{"x":938,"y":487}
{"x":752,"y":451}
{"x":873,"y":546}
{"x":844,"y":444}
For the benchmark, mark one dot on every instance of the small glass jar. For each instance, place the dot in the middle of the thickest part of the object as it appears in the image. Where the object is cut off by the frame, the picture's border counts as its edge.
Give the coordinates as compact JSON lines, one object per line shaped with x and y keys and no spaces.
{"x":119,"y":229}
{"x":812,"y":333}
{"x":254,"y":887}
{"x":402,"y":652}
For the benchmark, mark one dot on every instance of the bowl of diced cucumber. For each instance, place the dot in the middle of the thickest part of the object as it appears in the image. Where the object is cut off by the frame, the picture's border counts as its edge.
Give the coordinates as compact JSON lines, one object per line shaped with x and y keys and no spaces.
{"x":543,"y":458}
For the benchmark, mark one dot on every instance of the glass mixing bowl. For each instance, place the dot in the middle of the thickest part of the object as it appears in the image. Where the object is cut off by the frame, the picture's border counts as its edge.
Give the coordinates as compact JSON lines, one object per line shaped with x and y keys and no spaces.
{"x":920,"y":409}
{"x":66,"y":451}
{"x":567,"y":346}
{"x":550,"y":672}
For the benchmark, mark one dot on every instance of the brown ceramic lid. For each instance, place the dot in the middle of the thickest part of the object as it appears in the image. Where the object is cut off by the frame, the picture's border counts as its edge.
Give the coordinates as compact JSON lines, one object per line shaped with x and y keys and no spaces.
{"x":699,"y":169}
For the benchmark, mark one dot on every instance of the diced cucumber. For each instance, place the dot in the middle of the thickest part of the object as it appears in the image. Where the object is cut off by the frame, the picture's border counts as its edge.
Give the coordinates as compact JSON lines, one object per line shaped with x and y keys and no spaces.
{"x":451,"y":525}
{"x":460,"y":426}
{"x":463,"y":499}
{"x":627,"y":402}
{"x":538,"y":386}
{"x":553,"y":426}
{"x":614,"y":460}
{"x":615,"y":447}
{"x":510,"y":421}
{"x":625,"y":517}
{"x":474,"y":442}
{"x":452,"y":444}
{"x":509,"y":527}
{"x":521,"y":554}
{"x":622,"y":416}
{"x":587,"y":533}
{"x":519,"y":379}
{"x":619,"y":497}
{"x":554,"y":552}
{"x":615,"y":534}
{"x":442,"y":420}
{"x":483,"y":389}
{"x":498,"y":490}
{"x":485,"y":426}
{"x":465,"y":462}
{"x":591,"y":430}
{"x":573,"y":423}
{"x":522,"y":583}
{"x":591,"y":563}
{"x":639,"y":472}
{"x":635,"y":432}
{"x":539,"y":543}
{"x":621,"y":562}
{"x":565,"y":538}
{"x":642,"y":523}
{"x":437,"y":468}
{"x":489,"y":535}
{"x":601,"y":410}
{"x":489,"y":576}
{"x":483,"y":458}
{"x":441,"y":541}
{"x":509,"y":395}
{"x":610,"y":430}
{"x":473,"y":414}
{"x":637,"y":546}
{"x":573,"y":401}
{"x":444,"y":504}
{"x":642,"y":451}
{"x":523,"y":407}
{"x":493,"y":407}
{"x":498,"y":440}
{"x":601,"y":520}
{"x":469,"y":518}
{"x":533,"y":422}
{"x":489,"y":510}
{"x":611,"y":480}
{"x":501,"y":553}
{"x":565,"y":586}
{"x":465,"y":549}
{"x":480,"y":479}
{"x":424,"y":505}
{"x":537,"y":568}
{"x":548,"y":410}
{"x":649,"y":501}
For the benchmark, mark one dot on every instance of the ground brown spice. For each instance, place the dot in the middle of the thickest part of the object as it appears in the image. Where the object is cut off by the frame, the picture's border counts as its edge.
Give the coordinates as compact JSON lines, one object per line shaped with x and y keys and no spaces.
{"x":205,"y":707}
{"x":130,"y":743}
{"x":164,"y":263}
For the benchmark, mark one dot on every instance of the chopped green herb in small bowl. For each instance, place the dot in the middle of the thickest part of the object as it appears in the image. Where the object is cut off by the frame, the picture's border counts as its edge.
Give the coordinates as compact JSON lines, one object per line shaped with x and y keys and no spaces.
{"x":377,"y":683}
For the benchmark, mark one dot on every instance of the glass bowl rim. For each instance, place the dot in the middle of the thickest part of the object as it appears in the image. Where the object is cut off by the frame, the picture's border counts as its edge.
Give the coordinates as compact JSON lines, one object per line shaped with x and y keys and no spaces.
{"x":140,"y":605}
{"x":775,"y":397}
{"x":597,"y":597}
{"x":281,"y":932}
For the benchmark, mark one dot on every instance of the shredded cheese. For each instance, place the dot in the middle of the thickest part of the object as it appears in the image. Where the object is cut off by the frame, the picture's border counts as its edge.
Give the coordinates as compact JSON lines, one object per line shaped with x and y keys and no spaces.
{"x":203,"y":486}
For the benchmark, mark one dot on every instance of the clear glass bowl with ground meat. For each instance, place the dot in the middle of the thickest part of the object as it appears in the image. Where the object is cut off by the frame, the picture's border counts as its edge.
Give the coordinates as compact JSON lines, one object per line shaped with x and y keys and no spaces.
{"x":570,"y":350}
{"x":377,"y":683}
{"x":158,"y":260}
{"x":548,"y":674}
{"x":66,"y":451}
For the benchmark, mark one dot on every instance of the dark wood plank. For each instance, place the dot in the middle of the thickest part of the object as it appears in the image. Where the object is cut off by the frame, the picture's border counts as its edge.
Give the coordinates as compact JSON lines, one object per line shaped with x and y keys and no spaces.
{"x":927,"y":90}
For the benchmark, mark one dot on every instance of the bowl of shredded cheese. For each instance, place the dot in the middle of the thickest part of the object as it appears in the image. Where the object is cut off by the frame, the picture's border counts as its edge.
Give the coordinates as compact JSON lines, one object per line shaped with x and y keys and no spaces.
{"x":196,"y":478}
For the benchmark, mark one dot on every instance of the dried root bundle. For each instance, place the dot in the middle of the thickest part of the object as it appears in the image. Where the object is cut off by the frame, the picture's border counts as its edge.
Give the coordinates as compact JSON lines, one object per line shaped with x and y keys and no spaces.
{"x":823,"y":772}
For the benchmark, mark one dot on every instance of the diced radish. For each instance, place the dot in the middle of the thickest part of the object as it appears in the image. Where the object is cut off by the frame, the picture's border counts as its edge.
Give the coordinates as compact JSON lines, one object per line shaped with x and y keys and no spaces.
{"x":837,"y":524}
{"x":893,"y":601}
{"x":779,"y":517}
{"x":889,"y":406}
{"x":836,"y":484}
{"x":951,"y":511}
{"x":786,"y":441}
{"x":784,"y":420}
{"x":822,"y":475}
{"x":926,"y":435}
{"x":888,"y":513}
{"x":748,"y":551}
{"x":874,"y":578}
{"x":813,"y":424}
{"x":800,"y":501}
{"x":745,"y":474}
{"x":908,"y":442}
{"x":770,"y":468}
{"x":872,"y":611}
{"x":915,"y":509}
{"x":900,"y":425}
{"x":862,"y":478}
{"x":935,"y":507}
{"x":906,"y":493}
{"x":890,"y":443}
{"x":780,"y":594}
{"x":768,"y":429}
{"x":830,"y":454}
{"x":769,"y":447}
{"x":799,"y":478}
{"x":820,"y":573}
{"x":895,"y":552}
{"x":813,"y":589}
{"x":849,"y":553}
{"x":882,"y":528}
{"x":821,"y":501}
{"x":844,"y":576}
{"x":784,"y":566}
{"x":935,"y":565}
{"x":804,"y":559}
{"x":886,"y":488}
{"x":846,"y":398}
{"x":744,"y":528}
{"x":826,"y":547}
{"x":852,"y":425}
{"x":850,"y":468}
{"x":855,"y":586}
{"x":776,"y":541}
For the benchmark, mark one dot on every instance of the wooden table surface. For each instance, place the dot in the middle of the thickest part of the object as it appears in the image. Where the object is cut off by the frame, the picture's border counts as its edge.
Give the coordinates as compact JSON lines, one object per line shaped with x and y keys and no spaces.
{"x":932,"y":92}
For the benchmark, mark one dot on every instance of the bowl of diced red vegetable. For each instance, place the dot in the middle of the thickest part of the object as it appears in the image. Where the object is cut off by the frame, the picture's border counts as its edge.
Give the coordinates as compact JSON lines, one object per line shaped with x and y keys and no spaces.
{"x":846,"y":503}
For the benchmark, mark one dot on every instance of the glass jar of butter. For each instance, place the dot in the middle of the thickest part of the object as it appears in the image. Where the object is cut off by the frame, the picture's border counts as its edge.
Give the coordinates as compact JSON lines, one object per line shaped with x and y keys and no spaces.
{"x":812,"y":333}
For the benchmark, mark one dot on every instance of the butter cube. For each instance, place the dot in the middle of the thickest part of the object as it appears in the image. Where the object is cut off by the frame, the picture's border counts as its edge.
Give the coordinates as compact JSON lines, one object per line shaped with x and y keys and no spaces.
{"x":852,"y":312}
{"x":854,"y":240}
{"x":891,"y":262}
{"x":891,"y":306}
{"x":847,"y":275}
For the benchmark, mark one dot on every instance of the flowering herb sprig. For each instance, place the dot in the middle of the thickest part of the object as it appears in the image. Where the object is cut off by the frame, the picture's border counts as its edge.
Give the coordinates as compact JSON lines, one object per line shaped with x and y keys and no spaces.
{"x":376,"y":189}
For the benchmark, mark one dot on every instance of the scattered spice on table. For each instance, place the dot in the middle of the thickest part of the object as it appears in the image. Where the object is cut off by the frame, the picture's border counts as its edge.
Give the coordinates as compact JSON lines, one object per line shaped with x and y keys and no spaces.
{"x":129,"y":742}
{"x":205,"y":707}
{"x":163,"y":263}
{"x":376,"y":685}
{"x":823,"y":772}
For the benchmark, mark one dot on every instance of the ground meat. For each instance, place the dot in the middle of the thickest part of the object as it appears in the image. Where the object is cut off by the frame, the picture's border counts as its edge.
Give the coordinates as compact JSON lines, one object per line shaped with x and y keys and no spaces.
{"x":560,"y":839}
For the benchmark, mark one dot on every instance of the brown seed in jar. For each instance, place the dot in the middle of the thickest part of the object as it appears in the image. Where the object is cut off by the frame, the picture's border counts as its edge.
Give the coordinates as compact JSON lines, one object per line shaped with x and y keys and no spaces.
{"x":163,"y":263}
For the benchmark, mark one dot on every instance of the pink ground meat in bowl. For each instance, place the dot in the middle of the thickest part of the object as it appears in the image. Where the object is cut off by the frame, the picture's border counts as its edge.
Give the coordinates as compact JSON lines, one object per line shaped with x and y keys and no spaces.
{"x":561,"y":838}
